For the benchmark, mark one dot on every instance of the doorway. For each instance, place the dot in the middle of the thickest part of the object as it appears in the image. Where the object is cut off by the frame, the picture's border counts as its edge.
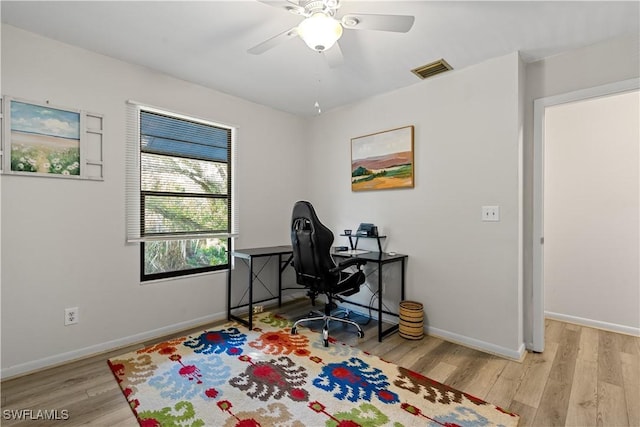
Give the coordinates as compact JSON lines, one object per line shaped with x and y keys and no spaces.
{"x":549,"y":110}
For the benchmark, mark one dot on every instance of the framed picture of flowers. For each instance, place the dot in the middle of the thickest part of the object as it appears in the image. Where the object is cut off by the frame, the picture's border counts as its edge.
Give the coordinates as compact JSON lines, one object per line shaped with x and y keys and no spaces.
{"x":45,"y":140}
{"x":383,"y":160}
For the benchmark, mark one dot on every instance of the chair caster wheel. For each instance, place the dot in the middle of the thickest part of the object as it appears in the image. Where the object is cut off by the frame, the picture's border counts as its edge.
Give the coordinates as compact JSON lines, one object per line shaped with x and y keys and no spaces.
{"x":294,"y":331}
{"x":360,"y":334}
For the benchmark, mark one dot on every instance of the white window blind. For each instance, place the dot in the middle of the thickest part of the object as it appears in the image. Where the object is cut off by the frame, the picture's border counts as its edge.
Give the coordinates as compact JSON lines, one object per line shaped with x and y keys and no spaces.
{"x":179,"y":181}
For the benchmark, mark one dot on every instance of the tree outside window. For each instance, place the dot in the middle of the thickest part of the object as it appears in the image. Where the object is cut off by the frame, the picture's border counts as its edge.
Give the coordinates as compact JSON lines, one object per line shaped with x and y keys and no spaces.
{"x":185,"y":208}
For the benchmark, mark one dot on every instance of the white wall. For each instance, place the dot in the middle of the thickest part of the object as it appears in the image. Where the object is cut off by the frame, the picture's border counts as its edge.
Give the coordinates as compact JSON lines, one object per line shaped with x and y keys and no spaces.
{"x":607,"y":62}
{"x":63,"y":241}
{"x":592,"y":212}
{"x":467,"y":146}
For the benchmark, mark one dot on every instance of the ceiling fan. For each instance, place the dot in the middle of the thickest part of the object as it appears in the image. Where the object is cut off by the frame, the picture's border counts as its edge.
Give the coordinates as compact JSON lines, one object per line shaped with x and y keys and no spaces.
{"x":322,"y":28}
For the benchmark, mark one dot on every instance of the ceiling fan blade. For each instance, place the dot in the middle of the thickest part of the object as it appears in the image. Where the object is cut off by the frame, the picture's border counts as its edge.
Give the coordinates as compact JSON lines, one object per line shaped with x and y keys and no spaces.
{"x":334,"y":56}
{"x":364,"y":21}
{"x":273,"y":41}
{"x":290,"y":6}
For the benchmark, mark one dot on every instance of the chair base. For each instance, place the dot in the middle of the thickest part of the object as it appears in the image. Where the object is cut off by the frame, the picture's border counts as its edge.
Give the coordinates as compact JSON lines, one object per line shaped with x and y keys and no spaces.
{"x":326,"y":318}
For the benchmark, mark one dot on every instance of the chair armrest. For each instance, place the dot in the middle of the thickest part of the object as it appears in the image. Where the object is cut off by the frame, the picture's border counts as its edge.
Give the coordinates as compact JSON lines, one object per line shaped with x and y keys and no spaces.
{"x":348,"y":263}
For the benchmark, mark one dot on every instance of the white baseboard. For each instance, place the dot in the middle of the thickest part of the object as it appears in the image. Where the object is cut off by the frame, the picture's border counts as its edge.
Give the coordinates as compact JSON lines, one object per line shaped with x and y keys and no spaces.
{"x":59,"y":359}
{"x":613,"y":327}
{"x":516,"y":355}
{"x":81,"y":353}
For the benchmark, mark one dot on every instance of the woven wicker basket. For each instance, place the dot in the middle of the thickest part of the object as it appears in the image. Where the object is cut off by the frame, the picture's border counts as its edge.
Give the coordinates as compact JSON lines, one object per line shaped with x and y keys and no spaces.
{"x":411,"y":320}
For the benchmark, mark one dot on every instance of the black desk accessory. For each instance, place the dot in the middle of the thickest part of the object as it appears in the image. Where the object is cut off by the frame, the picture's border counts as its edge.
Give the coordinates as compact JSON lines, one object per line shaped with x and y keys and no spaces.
{"x":366,"y":230}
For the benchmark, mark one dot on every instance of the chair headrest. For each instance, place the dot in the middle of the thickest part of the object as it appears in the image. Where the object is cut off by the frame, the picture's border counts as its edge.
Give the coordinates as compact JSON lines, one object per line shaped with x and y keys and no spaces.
{"x":304,"y":209}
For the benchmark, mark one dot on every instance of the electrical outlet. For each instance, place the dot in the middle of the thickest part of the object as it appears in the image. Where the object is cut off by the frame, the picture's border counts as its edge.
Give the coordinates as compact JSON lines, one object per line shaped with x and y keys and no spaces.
{"x":257,"y":309}
{"x":71,"y":316}
{"x":491,"y":213}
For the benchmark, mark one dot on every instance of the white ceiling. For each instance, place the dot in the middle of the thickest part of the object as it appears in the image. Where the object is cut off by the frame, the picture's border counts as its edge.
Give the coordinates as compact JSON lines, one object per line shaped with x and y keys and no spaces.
{"x":206,"y":41}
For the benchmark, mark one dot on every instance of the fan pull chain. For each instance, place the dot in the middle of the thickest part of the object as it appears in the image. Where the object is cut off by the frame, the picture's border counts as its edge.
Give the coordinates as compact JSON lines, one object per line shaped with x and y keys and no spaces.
{"x":317,"y":104}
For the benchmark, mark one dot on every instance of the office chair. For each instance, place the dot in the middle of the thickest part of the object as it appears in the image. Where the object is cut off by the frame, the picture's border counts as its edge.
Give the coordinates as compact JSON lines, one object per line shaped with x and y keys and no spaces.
{"x":316,"y":270}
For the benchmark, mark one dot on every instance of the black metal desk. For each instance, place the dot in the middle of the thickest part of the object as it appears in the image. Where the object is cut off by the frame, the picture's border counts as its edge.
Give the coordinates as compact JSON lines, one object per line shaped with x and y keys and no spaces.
{"x":381,"y":259}
{"x":248,"y":255}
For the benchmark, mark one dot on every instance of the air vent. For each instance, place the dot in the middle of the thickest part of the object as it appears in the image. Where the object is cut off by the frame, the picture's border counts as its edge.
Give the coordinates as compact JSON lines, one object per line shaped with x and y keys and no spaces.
{"x":432,"y":69}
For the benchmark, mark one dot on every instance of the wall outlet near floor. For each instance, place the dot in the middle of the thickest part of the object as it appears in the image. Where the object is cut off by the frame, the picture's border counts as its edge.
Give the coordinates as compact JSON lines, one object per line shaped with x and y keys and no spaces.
{"x":71,"y":316}
{"x":258,"y":309}
{"x":491,"y":213}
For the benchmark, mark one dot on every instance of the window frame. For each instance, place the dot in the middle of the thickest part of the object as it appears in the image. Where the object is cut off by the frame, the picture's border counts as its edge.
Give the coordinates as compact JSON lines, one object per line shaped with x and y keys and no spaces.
{"x":181,"y":273}
{"x":136,"y":195}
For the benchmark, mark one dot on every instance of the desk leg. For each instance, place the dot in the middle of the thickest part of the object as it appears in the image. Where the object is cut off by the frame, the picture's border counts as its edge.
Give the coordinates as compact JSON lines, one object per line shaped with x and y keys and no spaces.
{"x":229,"y":260}
{"x":251,"y":293}
{"x":380,"y":303}
{"x":402,"y":281}
{"x":279,"y":280}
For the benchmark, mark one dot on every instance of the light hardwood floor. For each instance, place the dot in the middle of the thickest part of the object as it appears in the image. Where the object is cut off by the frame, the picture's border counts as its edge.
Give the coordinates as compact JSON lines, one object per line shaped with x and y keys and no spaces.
{"x":585,"y":377}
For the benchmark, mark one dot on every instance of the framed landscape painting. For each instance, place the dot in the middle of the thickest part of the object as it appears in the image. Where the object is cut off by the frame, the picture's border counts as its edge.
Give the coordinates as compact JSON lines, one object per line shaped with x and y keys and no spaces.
{"x":43,"y":139}
{"x":383,"y":160}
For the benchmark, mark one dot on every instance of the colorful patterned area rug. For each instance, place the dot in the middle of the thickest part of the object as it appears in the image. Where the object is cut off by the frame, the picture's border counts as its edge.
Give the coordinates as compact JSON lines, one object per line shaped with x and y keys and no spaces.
{"x":229,"y":376}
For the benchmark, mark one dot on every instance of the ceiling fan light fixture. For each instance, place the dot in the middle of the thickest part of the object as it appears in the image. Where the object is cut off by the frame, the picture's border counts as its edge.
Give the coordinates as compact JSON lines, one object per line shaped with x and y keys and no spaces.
{"x":320,"y":31}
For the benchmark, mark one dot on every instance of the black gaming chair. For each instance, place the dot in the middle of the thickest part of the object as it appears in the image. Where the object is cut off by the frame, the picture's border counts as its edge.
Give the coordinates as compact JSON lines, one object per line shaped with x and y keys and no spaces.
{"x":316,"y":270}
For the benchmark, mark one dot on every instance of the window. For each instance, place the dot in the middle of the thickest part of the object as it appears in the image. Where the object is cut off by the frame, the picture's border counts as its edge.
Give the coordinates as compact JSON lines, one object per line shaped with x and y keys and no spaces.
{"x":184,"y":209}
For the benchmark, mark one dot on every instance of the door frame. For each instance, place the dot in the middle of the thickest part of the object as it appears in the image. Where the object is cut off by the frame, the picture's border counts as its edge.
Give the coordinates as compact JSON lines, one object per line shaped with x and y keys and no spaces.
{"x":539,"y":106}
